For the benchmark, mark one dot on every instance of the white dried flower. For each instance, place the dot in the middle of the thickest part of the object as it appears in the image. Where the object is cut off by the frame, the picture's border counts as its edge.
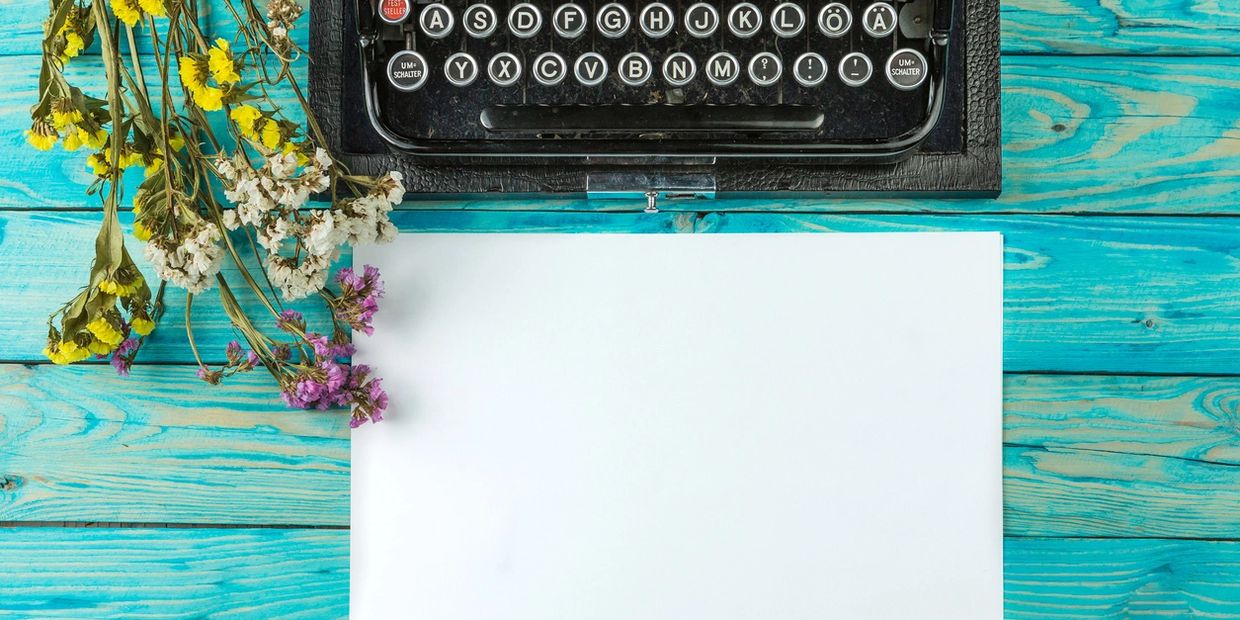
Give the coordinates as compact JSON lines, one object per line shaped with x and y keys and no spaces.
{"x":193,"y":263}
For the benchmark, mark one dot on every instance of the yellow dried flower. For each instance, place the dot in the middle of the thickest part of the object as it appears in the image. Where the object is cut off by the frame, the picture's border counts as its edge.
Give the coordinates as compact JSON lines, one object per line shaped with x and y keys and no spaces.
{"x":209,"y":98}
{"x":98,"y":164}
{"x":177,"y":142}
{"x":102,"y":329}
{"x":140,"y":232}
{"x":65,"y":352}
{"x":99,"y":348}
{"x":73,"y":140}
{"x":127,"y":11}
{"x":244,"y":116}
{"x":154,"y":7}
{"x":93,"y":139}
{"x":42,"y":135}
{"x":220,"y":62}
{"x":142,"y":326}
{"x":271,"y":134}
{"x":64,"y":114}
{"x":112,"y":287}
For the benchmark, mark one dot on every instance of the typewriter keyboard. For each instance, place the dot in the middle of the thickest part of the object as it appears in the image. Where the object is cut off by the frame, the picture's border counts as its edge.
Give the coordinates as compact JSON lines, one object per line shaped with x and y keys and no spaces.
{"x":804,"y":70}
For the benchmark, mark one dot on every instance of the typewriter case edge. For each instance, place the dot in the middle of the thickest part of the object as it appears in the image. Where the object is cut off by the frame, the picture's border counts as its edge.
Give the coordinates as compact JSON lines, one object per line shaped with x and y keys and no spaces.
{"x":973,"y":171}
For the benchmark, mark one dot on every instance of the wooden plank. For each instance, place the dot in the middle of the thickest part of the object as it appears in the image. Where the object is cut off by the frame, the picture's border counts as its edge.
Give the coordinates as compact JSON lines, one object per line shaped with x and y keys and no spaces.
{"x":110,"y":573}
{"x":1028,"y":27}
{"x":82,"y":573}
{"x":1120,"y":579}
{"x":1082,"y":294}
{"x":1086,"y":456}
{"x":1080,"y":135}
{"x":1119,"y":27}
{"x":45,"y":257}
{"x":81,"y":444}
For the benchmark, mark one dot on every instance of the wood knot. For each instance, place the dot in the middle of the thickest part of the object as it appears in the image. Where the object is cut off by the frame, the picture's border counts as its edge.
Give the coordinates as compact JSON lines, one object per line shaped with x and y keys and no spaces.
{"x":1058,"y":127}
{"x":8,"y":483}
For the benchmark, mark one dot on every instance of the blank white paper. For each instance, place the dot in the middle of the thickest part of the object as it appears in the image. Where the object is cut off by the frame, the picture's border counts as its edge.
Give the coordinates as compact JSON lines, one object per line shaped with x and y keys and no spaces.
{"x":683,"y":427}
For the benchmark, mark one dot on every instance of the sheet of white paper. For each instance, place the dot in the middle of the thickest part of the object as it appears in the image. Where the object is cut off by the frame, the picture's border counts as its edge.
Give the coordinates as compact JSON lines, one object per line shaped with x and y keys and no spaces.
{"x":683,"y":427}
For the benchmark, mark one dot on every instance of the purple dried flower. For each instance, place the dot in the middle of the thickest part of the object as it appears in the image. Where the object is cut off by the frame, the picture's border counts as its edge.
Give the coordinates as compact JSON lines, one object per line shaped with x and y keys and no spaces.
{"x":291,"y":321}
{"x":121,"y":364}
{"x":359,"y":298}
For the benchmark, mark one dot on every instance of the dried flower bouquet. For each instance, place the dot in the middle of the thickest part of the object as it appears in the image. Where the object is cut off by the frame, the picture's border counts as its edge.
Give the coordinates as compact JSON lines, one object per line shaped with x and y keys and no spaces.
{"x":226,"y":174}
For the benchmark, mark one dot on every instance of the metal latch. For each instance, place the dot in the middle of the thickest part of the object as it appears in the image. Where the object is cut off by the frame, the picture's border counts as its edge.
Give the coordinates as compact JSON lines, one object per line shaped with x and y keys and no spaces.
{"x":651,"y":187}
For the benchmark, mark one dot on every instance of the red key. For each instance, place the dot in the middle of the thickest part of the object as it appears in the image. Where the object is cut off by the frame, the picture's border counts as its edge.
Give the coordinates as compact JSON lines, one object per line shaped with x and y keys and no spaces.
{"x":394,"y":11}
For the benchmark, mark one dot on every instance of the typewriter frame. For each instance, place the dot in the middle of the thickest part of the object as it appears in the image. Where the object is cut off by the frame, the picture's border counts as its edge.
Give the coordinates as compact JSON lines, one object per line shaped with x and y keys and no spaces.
{"x":595,"y":169}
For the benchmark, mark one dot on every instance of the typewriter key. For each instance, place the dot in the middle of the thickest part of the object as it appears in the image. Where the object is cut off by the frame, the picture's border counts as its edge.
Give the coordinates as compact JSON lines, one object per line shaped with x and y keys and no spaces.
{"x":569,"y":20}
{"x":744,"y":20}
{"x":701,"y":20}
{"x":722,"y":69}
{"x":656,"y":20}
{"x":504,"y":69}
{"x":906,"y":69}
{"x":524,"y":20}
{"x":461,"y":69}
{"x":787,"y":20}
{"x":590,"y":69}
{"x":765,"y":69}
{"x":810,"y":69}
{"x":879,"y":20}
{"x":855,"y":69}
{"x":436,"y":20}
{"x":612,"y":20}
{"x":550,"y":68}
{"x":834,"y":20}
{"x":480,"y":21}
{"x":394,"y":11}
{"x":635,"y":68}
{"x":407,"y":70}
{"x":679,"y":69}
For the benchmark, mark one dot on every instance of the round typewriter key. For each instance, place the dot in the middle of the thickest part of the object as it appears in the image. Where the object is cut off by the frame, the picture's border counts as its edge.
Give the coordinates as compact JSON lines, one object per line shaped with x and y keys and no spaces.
{"x":590,"y":69}
{"x":744,"y":20}
{"x":656,"y":20}
{"x":906,"y":69}
{"x":879,"y":20}
{"x":810,"y":69}
{"x":765,"y":69}
{"x":834,"y":20}
{"x":787,"y":20}
{"x":569,"y":20}
{"x":480,"y":21}
{"x":612,"y":20}
{"x":701,"y":20}
{"x":461,"y":69}
{"x":407,"y":70}
{"x":395,"y":11}
{"x":524,"y":20}
{"x":679,"y":69}
{"x":436,"y":20}
{"x":550,"y":68}
{"x":504,"y":69}
{"x":722,"y":69}
{"x":855,"y":69}
{"x":635,"y":69}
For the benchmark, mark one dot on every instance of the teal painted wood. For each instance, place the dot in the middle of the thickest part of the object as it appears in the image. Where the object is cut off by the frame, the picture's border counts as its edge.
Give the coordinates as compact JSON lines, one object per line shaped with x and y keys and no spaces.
{"x":1085,"y":456}
{"x":1193,"y":419}
{"x":253,"y":573}
{"x":1119,"y":27}
{"x":1120,"y":579}
{"x":1080,"y":135}
{"x":84,"y":573}
{"x":1028,"y":27}
{"x":82,"y":444}
{"x":1082,"y":294}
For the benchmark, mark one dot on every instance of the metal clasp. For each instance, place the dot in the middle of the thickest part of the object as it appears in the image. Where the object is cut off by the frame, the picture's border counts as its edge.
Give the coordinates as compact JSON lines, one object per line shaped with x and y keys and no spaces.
{"x":651,"y":187}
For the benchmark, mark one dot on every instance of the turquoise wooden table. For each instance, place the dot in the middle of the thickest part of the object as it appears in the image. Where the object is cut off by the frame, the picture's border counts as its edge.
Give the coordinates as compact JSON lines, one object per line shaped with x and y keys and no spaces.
{"x":158,"y":496}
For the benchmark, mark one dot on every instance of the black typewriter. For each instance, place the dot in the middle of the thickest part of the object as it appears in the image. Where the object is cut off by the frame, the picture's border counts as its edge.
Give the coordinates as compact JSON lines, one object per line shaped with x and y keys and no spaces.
{"x":560,"y":95}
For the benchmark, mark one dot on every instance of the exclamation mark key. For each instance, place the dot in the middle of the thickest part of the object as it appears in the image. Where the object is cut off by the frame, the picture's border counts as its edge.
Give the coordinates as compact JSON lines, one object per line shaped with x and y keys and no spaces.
{"x":855,"y":69}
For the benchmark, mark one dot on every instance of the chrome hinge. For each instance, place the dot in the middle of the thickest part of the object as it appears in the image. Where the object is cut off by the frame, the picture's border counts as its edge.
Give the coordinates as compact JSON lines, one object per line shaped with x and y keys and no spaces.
{"x":652,"y":188}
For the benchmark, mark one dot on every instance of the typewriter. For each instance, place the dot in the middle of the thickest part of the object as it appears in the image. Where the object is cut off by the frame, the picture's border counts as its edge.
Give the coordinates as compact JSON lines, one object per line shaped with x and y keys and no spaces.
{"x":684,"y":97}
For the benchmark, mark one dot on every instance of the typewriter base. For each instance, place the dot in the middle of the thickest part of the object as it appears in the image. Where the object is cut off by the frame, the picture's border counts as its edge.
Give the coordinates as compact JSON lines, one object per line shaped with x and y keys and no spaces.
{"x":961,"y":158}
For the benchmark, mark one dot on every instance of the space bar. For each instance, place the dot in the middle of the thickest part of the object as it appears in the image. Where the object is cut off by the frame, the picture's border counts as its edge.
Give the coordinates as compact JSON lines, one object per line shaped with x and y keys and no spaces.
{"x":652,"y":117}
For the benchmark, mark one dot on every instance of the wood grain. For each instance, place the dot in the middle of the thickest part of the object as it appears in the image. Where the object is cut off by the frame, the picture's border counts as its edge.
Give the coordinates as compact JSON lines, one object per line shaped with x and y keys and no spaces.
{"x":128,"y":573}
{"x":83,"y":573}
{"x":1120,"y":579}
{"x":1081,"y":135}
{"x":1120,"y":27}
{"x":82,"y":444}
